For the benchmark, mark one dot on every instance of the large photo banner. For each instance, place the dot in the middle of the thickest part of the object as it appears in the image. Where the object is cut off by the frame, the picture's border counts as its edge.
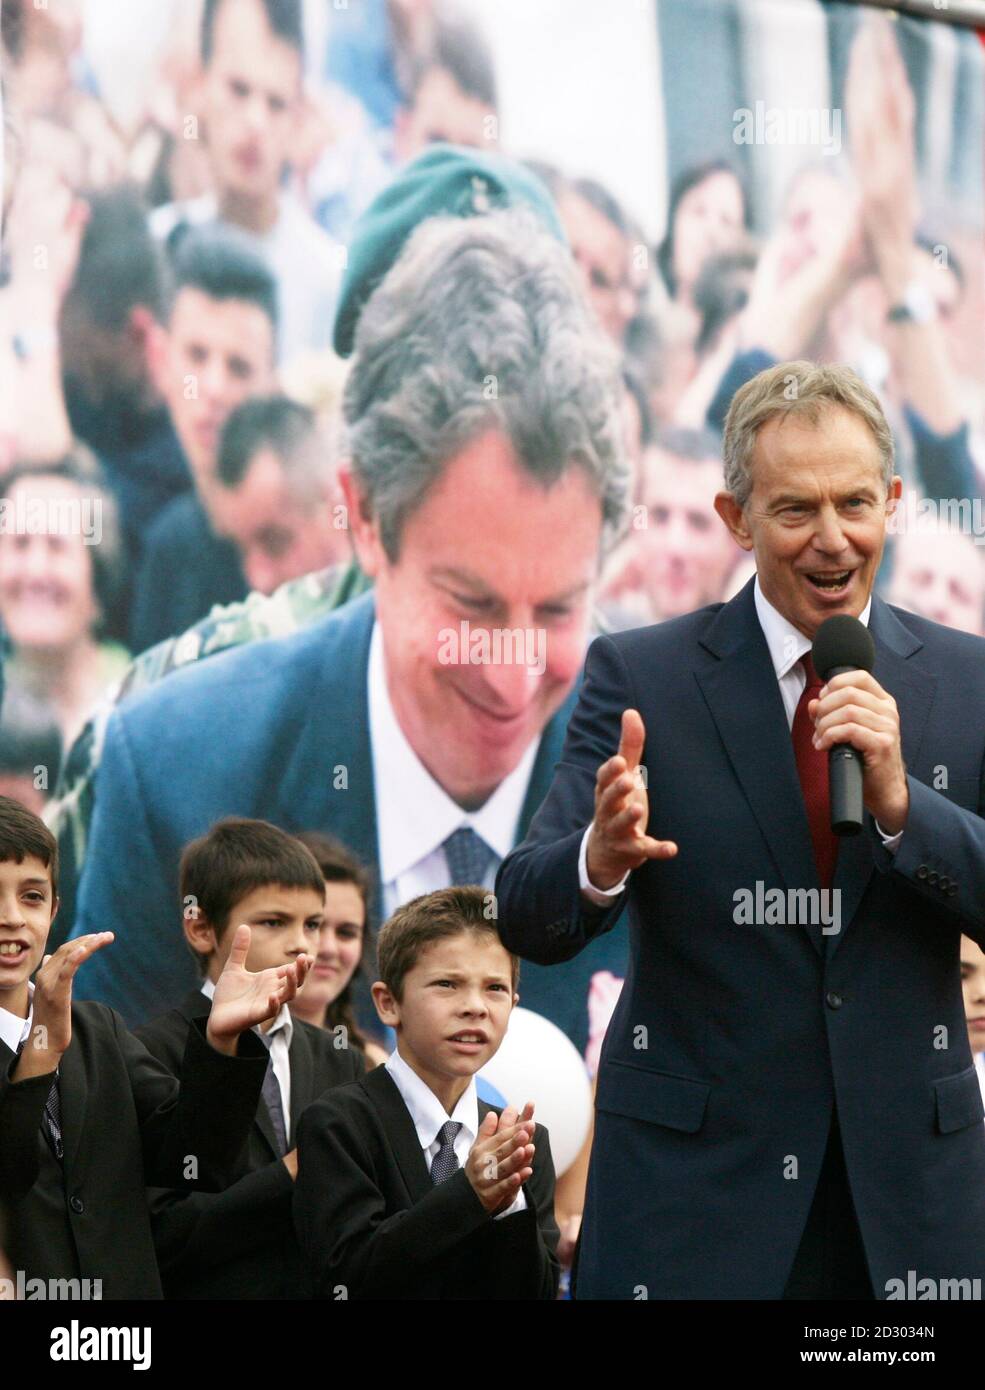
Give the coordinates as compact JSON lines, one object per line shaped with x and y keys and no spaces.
{"x":309,"y":312}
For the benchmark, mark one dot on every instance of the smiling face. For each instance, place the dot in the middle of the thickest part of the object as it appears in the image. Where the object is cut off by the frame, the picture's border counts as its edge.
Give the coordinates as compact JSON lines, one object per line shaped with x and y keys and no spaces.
{"x":490,"y":547}
{"x":47,"y":601}
{"x":283,"y":922}
{"x":973,"y":988}
{"x":27,"y":910}
{"x":218,"y":352}
{"x":454,"y":1010}
{"x":941,"y":577}
{"x":251,"y":102}
{"x":816,"y":517}
{"x":338,"y":950}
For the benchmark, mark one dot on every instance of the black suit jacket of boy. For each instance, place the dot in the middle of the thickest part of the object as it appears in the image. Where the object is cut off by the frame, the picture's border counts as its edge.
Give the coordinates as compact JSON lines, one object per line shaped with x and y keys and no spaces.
{"x":240,"y":1243}
{"x":125,"y":1122}
{"x":371,"y":1223}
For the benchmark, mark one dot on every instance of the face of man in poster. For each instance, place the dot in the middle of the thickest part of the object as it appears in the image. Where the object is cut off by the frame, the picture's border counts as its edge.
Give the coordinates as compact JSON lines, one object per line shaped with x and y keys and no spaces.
{"x":492,"y":549}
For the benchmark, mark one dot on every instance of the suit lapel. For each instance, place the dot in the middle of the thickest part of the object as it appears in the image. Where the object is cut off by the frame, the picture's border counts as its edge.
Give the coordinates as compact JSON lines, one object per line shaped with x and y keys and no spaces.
{"x":548,"y":753}
{"x":302,"y":1075}
{"x":400,"y":1132}
{"x":743,"y":697}
{"x":73,"y":1094}
{"x":328,"y":761}
{"x":196,"y":1005}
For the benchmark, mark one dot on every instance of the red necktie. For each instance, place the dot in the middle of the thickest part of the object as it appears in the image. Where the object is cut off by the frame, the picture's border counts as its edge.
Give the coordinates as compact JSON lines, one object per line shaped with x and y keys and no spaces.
{"x":812,"y":769}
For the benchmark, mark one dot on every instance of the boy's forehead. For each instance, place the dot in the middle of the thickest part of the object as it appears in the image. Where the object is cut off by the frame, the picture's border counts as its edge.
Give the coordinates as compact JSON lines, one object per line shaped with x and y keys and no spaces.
{"x":466,"y":951}
{"x":30,"y":867}
{"x":276,"y":897}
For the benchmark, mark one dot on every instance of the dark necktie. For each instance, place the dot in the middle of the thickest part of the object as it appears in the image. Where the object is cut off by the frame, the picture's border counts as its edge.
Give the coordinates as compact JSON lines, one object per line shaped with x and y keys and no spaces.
{"x":275,"y":1106}
{"x":445,"y":1161}
{"x":468,"y":856}
{"x":52,"y":1119}
{"x":812,"y":769}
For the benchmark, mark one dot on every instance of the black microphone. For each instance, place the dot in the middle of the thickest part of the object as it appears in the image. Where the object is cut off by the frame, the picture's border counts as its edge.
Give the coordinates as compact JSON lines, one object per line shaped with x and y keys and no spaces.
{"x":842,"y":643}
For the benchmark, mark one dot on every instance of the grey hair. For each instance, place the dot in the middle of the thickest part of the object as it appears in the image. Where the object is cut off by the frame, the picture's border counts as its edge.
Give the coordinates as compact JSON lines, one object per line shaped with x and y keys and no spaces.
{"x":796,"y":388}
{"x":481,"y":324}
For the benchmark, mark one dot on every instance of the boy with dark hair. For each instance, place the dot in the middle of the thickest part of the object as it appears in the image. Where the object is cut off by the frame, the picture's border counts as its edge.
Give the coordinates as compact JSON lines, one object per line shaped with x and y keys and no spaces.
{"x":251,"y":102}
{"x":408,"y":1185}
{"x":240,"y":1243}
{"x":87,"y":1116}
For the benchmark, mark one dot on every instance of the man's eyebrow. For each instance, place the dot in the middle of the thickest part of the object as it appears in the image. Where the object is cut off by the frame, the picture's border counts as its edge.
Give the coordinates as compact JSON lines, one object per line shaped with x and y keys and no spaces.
{"x":785,"y":498}
{"x":35,"y":883}
{"x":472,"y":581}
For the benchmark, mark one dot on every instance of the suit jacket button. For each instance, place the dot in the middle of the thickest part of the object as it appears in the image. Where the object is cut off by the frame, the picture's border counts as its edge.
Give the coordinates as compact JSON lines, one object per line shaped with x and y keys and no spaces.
{"x":77,"y":1205}
{"x":922,"y":871}
{"x":832,"y":999}
{"x":932,"y":878}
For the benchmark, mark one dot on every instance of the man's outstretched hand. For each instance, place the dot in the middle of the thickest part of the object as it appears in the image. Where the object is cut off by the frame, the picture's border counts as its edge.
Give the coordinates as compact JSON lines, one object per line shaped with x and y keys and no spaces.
{"x":618,"y":841}
{"x":243,"y":998}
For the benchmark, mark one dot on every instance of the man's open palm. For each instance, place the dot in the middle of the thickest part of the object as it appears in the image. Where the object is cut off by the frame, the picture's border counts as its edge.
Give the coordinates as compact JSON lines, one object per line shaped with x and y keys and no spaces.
{"x":244,"y":998}
{"x":618,"y":841}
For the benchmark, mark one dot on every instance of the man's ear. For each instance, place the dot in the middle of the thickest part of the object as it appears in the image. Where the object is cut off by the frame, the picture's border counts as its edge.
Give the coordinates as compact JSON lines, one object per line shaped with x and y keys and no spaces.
{"x":362,"y":524}
{"x":54,"y":910}
{"x":387,"y":1006}
{"x":894,"y":494}
{"x":735,"y":519}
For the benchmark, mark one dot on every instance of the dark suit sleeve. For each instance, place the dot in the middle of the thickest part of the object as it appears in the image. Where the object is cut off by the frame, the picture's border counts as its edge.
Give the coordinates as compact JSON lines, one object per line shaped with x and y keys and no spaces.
{"x":942,"y":840}
{"x":202,"y":1229}
{"x":527,"y":1265}
{"x":542,"y":914}
{"x":21,"y":1107}
{"x":206,"y":1115}
{"x":339,"y":1212}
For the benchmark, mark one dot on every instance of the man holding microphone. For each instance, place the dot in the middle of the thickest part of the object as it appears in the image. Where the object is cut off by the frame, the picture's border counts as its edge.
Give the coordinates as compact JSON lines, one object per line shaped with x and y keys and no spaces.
{"x":787,"y":1106}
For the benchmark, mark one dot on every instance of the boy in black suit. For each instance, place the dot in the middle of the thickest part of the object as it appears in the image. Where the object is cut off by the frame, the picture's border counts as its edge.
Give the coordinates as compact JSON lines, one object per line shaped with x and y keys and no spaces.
{"x":87,"y":1116}
{"x":408,"y":1185}
{"x":240,"y":1243}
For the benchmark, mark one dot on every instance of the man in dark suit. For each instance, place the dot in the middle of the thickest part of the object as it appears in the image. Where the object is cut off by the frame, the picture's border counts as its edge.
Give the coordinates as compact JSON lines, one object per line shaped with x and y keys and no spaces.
{"x":420,"y":724}
{"x":240,"y":1243}
{"x":786,"y":1103}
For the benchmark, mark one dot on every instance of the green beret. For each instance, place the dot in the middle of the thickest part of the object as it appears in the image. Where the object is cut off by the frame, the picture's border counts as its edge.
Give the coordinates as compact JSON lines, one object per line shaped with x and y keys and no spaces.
{"x":446,"y":179}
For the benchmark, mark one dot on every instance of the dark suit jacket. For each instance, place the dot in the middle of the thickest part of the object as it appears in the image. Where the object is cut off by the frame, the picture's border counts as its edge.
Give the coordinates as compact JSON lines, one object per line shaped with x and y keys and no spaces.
{"x":124,"y":1123}
{"x":240,"y":1243}
{"x":278,"y":730}
{"x":373,"y":1225}
{"x":731,"y":1042}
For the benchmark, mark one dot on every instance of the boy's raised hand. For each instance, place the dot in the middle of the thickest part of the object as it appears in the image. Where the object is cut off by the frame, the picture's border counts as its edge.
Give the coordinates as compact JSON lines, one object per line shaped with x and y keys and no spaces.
{"x":51,"y":1025}
{"x":499,"y":1160}
{"x":243,"y":997}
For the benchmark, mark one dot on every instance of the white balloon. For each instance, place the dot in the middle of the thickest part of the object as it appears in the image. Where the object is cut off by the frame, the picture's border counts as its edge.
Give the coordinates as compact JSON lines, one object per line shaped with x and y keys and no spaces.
{"x":538,"y":1062}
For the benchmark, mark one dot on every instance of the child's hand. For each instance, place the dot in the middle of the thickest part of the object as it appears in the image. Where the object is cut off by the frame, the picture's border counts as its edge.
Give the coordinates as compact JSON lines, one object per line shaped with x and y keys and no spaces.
{"x":290,"y":1162}
{"x":243,"y":998}
{"x":51,"y":1026}
{"x":499,"y":1160}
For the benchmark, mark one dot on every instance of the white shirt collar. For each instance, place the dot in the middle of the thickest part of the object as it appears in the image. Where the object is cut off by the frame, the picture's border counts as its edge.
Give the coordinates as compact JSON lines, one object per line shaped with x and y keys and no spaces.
{"x":14,"y":1029}
{"x":284,"y":1020}
{"x":425,"y":1108}
{"x":787,"y":644}
{"x":414,"y":815}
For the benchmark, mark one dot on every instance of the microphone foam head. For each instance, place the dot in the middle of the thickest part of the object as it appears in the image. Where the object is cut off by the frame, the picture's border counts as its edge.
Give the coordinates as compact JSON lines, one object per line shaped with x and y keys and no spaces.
{"x":842,"y":641}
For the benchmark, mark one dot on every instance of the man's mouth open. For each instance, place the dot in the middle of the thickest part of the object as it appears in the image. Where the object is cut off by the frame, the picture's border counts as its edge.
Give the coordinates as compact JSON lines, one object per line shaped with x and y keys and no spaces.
{"x":831,"y":583}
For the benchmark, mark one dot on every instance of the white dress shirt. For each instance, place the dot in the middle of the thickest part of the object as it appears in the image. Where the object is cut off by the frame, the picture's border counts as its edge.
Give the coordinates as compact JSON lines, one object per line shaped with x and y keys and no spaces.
{"x":786,"y":645}
{"x":15,"y":1030}
{"x":414,"y":815}
{"x":278,"y":1041}
{"x":429,"y":1115}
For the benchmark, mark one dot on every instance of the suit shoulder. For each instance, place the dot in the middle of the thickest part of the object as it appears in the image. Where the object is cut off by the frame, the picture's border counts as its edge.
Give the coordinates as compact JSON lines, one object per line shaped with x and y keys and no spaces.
{"x":322,"y":1042}
{"x":657,"y":639}
{"x":937,"y":637}
{"x":164,"y":1031}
